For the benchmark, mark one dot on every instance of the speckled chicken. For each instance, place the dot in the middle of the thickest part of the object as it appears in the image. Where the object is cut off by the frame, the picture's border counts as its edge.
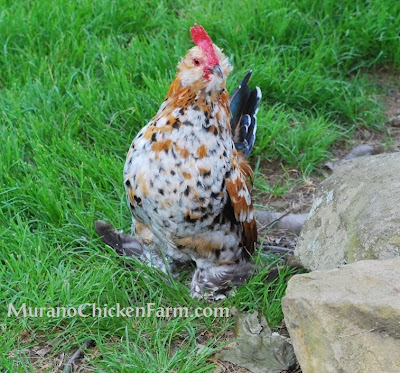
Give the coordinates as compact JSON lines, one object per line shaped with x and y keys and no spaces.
{"x":186,"y":177}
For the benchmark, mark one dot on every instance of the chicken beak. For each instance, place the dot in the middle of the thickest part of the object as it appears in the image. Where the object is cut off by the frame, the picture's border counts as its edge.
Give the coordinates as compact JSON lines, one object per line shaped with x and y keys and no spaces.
{"x":216,"y":70}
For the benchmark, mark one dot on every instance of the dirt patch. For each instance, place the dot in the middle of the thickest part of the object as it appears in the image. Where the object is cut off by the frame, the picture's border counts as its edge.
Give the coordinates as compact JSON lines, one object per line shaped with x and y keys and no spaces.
{"x":40,"y":352}
{"x":226,"y":367}
{"x":390,"y":97}
{"x":290,"y":190}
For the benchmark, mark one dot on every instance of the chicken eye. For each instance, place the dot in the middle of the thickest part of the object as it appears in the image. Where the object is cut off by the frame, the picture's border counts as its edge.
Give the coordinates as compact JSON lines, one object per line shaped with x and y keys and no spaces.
{"x":196,"y":62}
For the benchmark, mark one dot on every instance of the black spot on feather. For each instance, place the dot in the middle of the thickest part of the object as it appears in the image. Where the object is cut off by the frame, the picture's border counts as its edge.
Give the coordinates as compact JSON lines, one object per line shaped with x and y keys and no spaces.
{"x":187,"y":191}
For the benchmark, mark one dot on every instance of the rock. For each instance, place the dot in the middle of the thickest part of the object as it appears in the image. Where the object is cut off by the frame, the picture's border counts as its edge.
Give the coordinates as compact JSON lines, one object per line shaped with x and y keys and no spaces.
{"x":346,"y":319}
{"x":395,"y":121}
{"x":358,"y":151}
{"x":258,"y":349}
{"x":356,"y":215}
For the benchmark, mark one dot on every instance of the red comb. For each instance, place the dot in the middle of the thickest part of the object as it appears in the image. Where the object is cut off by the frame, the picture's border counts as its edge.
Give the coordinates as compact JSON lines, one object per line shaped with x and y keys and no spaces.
{"x":204,"y":42}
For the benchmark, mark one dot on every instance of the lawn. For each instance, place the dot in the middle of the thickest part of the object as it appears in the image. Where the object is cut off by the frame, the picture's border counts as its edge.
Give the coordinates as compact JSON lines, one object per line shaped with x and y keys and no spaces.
{"x":78,"y":79}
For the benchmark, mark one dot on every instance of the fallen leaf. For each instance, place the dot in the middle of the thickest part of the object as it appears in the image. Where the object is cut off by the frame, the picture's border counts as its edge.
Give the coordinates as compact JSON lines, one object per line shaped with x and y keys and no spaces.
{"x":258,"y":349}
{"x":43,"y":351}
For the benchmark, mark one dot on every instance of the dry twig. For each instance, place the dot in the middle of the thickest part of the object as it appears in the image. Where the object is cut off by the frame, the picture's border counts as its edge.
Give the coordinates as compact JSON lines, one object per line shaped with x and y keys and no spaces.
{"x":77,"y":355}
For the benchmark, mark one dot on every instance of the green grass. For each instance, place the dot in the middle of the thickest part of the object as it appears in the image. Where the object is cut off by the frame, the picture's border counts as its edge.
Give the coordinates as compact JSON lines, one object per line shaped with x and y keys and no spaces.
{"x":77,"y":81}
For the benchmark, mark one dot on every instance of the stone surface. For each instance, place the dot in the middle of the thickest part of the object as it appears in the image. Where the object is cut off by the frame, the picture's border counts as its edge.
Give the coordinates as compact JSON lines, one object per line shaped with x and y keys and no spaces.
{"x":356,"y":215}
{"x":257,"y":348}
{"x":346,"y":319}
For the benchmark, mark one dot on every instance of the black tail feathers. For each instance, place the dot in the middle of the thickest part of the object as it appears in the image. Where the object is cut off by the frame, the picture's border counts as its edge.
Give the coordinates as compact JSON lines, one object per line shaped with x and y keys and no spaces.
{"x":244,"y":107}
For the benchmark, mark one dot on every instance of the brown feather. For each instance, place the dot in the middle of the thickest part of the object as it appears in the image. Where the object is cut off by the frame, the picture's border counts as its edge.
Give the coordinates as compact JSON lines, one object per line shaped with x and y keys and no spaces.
{"x":244,"y":212}
{"x":250,"y":237}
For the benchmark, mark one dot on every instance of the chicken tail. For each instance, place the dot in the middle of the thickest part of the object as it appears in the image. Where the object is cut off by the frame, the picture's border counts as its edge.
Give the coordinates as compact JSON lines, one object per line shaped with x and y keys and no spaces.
{"x":244,"y":107}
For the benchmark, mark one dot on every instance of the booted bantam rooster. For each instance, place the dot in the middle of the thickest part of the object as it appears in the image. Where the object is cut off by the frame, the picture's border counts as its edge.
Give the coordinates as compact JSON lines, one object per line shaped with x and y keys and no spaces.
{"x":186,"y":176}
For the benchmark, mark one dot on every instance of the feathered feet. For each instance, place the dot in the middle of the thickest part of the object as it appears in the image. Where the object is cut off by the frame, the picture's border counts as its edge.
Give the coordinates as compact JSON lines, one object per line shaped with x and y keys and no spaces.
{"x":215,"y":282}
{"x":210,"y":281}
{"x":129,"y":246}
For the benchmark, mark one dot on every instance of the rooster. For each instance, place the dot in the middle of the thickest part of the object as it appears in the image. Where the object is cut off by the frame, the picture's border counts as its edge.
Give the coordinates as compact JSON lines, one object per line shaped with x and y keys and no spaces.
{"x":187,"y":180}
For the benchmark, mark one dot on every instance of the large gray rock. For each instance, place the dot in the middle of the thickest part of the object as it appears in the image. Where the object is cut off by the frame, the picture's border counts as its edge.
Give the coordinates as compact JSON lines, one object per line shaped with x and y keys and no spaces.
{"x":346,"y":319}
{"x":356,"y":215}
